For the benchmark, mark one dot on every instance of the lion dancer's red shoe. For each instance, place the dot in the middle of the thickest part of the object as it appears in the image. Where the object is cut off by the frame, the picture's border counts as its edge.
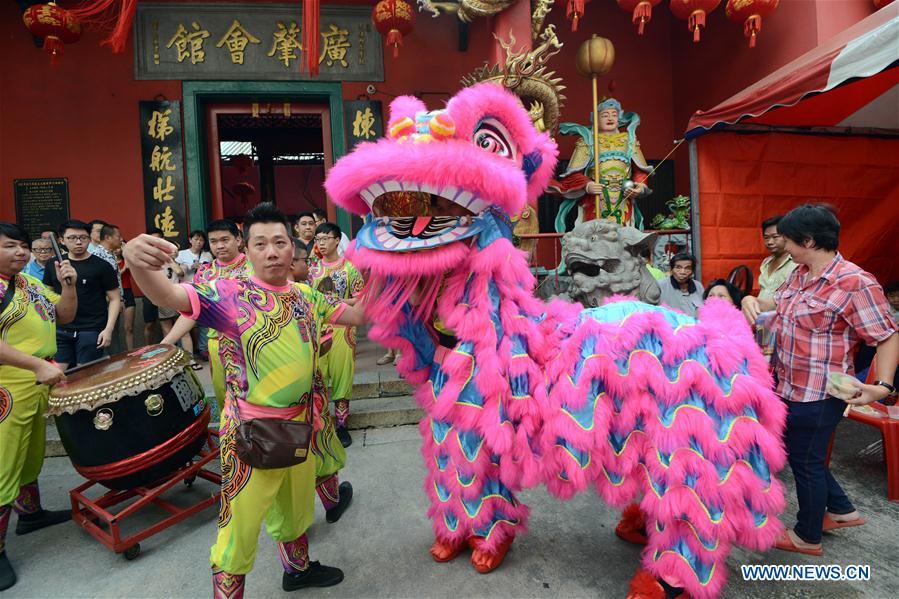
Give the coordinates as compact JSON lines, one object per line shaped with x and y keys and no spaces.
{"x":646,"y":586}
{"x":632,"y":526}
{"x":446,"y":552}
{"x":484,"y":561}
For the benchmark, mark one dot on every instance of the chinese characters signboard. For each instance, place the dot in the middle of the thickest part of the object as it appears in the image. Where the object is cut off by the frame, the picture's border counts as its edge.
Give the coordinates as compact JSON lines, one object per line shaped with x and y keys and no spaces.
{"x":363,"y":122}
{"x":238,"y":41}
{"x":163,"y":168}
{"x":41,"y":204}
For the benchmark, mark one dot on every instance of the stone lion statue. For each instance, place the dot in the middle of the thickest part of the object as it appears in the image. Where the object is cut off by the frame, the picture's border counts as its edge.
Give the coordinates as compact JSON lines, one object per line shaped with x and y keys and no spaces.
{"x":604,"y":259}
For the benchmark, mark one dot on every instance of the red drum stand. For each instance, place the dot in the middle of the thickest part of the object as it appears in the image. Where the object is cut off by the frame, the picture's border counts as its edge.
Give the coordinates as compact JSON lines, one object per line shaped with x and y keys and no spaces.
{"x":95,"y":515}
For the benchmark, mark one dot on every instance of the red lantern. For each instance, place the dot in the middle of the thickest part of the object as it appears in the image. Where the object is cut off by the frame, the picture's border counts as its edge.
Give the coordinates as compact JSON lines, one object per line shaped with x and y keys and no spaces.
{"x":694,"y":11}
{"x":641,"y":11}
{"x":750,"y":13}
{"x":878,"y":4}
{"x":55,"y":25}
{"x":574,"y":11}
{"x":393,"y":19}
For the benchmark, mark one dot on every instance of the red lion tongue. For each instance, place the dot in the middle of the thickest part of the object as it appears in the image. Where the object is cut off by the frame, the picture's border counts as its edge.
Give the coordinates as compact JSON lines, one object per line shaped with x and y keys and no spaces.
{"x":421,"y":223}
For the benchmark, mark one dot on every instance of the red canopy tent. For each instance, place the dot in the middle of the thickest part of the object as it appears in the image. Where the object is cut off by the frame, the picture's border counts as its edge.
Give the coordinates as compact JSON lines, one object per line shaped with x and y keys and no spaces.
{"x":824,"y":128}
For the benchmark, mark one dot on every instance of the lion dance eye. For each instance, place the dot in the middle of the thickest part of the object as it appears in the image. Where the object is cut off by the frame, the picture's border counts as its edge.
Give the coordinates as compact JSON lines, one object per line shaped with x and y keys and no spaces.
{"x":492,"y":137}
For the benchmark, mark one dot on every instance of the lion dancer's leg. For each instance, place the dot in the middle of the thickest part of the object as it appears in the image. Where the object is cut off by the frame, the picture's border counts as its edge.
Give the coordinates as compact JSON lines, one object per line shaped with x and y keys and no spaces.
{"x":469,"y":504}
{"x":330,"y":456}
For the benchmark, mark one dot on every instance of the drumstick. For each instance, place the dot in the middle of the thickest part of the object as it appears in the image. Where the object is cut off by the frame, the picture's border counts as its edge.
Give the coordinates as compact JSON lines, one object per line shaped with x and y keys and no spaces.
{"x":59,"y":256}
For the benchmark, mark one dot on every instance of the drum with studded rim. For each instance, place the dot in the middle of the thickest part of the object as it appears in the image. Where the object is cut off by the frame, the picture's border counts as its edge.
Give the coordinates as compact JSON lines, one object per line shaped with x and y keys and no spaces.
{"x":131,"y":419}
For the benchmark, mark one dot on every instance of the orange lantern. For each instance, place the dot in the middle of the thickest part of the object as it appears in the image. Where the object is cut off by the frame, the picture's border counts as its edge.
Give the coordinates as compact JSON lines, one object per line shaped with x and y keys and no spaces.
{"x":393,"y":19}
{"x":641,"y":11}
{"x":574,"y":11}
{"x":694,"y":12}
{"x":55,"y":25}
{"x":750,"y":13}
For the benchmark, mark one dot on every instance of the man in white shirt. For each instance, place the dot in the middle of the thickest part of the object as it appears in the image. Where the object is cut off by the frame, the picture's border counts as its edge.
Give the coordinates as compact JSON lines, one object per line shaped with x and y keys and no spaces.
{"x":191,"y":259}
{"x":778,"y":266}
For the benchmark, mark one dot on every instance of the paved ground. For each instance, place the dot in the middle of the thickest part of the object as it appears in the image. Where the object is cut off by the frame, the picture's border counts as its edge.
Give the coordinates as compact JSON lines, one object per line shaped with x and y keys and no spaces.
{"x":382,"y":541}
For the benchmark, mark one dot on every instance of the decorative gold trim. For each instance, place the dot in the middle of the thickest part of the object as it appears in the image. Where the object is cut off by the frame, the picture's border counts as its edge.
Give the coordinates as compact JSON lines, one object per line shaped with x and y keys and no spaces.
{"x":152,"y":378}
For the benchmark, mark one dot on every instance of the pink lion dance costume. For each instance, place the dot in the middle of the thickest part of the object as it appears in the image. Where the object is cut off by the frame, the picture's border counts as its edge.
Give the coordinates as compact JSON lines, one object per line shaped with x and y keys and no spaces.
{"x":631,"y":399}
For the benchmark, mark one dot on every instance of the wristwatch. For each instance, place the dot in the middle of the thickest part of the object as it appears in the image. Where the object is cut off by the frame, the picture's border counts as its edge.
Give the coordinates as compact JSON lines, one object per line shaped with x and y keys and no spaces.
{"x":888,"y":387}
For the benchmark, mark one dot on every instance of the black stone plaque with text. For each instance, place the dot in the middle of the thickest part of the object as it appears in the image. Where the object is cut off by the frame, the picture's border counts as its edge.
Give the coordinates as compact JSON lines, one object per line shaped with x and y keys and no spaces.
{"x":41,"y":204}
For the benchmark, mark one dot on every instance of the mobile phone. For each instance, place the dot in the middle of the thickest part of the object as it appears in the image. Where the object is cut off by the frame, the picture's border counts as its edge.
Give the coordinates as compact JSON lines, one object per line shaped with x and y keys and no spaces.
{"x":58,"y":256}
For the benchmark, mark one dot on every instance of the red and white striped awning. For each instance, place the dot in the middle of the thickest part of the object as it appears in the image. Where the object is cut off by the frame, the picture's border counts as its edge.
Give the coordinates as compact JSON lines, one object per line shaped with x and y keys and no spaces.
{"x":851,"y":80}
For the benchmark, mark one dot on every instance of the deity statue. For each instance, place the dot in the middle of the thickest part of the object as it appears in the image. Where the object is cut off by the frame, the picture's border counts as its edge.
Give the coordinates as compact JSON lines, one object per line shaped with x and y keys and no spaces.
{"x":620,"y":183}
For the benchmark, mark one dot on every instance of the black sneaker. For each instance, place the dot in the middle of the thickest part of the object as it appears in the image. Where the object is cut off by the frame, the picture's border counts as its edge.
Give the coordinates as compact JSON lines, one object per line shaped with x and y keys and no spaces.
{"x":345,"y":492}
{"x":316,"y":576}
{"x":344,"y":436}
{"x":7,"y":574}
{"x":42,"y":519}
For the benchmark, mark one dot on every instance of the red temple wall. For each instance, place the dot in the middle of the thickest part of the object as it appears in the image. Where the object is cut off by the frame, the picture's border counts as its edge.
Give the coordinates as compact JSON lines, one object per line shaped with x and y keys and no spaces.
{"x":80,"y":119}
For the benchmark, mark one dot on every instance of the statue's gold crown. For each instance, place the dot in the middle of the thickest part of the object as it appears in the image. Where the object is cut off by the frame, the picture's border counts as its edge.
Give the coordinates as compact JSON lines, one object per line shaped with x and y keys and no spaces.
{"x":526,"y":75}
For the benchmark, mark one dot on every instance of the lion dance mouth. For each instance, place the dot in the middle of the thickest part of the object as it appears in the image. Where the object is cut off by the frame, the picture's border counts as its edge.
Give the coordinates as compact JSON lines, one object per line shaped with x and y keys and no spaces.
{"x":407,"y":216}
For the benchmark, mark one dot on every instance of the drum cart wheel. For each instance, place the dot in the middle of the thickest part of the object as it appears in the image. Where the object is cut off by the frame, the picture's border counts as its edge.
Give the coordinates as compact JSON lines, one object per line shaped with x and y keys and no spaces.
{"x":132,"y":552}
{"x":99,"y":518}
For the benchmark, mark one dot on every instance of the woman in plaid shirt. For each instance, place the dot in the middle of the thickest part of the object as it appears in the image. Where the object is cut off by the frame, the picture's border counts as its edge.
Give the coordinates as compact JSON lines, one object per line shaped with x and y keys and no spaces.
{"x":826,"y":307}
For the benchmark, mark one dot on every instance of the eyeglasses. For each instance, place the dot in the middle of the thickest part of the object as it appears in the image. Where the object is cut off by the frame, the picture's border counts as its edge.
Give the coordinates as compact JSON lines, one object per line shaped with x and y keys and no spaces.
{"x":41,"y":250}
{"x":77,"y":237}
{"x":322,"y":238}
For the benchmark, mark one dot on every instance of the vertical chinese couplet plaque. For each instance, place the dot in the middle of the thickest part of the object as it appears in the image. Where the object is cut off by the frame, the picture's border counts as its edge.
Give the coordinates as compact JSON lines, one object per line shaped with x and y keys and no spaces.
{"x":163,"y":168}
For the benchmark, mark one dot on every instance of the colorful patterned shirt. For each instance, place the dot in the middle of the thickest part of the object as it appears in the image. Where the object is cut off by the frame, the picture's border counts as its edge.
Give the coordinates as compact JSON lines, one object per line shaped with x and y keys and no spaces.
{"x":820,"y":322}
{"x":28,"y":323}
{"x":338,"y":279}
{"x":268,"y":336}
{"x":239,"y":268}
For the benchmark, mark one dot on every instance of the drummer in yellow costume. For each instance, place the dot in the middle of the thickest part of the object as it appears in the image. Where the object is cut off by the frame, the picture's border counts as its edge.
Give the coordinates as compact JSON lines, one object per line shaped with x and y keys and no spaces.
{"x":337,"y":277}
{"x":271,"y":329}
{"x":230,"y":263}
{"x":29,"y":312}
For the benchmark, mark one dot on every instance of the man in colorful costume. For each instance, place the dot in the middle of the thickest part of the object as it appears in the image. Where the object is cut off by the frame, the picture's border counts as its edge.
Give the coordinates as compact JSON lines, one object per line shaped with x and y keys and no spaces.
{"x":29,"y":312}
{"x":344,"y":283}
{"x":230,"y":263}
{"x":619,"y":183}
{"x":628,"y":398}
{"x":268,"y":336}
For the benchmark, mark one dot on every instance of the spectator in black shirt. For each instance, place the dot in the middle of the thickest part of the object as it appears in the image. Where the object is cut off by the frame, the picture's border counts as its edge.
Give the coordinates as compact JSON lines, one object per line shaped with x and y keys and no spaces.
{"x":99,"y":302}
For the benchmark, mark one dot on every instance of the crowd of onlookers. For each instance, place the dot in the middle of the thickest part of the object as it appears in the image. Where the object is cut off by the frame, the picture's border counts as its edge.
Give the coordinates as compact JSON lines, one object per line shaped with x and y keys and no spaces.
{"x":107,"y":292}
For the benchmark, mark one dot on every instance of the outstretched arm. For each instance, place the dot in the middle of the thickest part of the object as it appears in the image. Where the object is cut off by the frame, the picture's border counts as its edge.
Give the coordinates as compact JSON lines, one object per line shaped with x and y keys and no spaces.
{"x":353,"y":315}
{"x":181,"y":328}
{"x":146,"y":256}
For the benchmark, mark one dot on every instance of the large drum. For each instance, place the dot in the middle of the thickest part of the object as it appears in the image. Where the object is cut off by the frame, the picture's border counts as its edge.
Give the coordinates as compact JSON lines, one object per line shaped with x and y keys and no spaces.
{"x":131,"y":419}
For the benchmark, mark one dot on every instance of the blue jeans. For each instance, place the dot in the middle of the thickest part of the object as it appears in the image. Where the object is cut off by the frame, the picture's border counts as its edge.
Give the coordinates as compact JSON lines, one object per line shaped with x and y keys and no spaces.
{"x":202,"y":339}
{"x":77,"y":347}
{"x":809,"y":429}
